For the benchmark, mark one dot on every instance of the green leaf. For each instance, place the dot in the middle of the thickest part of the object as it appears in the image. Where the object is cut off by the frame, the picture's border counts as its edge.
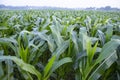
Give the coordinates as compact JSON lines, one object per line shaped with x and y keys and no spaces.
{"x":61,"y":49}
{"x":56,"y":35}
{"x":49,"y":40}
{"x":49,"y":66}
{"x":107,"y":49}
{"x":115,"y":37}
{"x":75,"y":41}
{"x":101,"y":37}
{"x":60,"y":63}
{"x":3,"y":28}
{"x":82,"y":40}
{"x":93,"y":51}
{"x":103,"y":66}
{"x":9,"y":42}
{"x":109,"y":32}
{"x":89,"y":52}
{"x":27,"y":67}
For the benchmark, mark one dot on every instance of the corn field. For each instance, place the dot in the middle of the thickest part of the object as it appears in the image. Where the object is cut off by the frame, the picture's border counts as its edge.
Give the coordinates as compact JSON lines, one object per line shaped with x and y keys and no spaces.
{"x":59,"y":45}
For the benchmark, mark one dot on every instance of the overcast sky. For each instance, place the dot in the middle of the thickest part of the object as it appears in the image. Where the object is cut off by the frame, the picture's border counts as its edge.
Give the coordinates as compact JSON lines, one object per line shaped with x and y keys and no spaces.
{"x":63,"y":3}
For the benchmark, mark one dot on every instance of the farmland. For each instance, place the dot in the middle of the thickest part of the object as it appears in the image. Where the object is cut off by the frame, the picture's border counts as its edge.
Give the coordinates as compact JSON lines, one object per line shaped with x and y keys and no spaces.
{"x":59,"y":45}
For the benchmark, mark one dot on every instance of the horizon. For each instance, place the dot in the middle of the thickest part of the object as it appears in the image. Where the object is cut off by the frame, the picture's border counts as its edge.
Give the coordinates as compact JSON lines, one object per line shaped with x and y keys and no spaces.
{"x":56,"y":7}
{"x":63,"y":3}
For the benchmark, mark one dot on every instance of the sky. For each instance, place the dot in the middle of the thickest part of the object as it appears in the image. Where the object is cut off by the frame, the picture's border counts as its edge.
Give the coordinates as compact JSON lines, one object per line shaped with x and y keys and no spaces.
{"x":63,"y":3}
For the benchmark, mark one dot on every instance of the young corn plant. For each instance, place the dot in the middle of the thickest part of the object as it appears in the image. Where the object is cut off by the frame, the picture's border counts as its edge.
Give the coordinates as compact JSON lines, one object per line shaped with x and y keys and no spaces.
{"x":94,"y":68}
{"x":23,"y":63}
{"x":59,"y":45}
{"x":51,"y":66}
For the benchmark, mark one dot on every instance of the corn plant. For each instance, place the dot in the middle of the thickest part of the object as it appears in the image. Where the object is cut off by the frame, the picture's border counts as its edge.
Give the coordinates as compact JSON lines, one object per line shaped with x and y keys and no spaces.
{"x":59,"y":45}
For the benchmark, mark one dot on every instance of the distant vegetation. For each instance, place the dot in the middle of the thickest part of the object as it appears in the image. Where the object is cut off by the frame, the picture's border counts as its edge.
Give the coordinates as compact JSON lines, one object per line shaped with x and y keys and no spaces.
{"x":107,"y":8}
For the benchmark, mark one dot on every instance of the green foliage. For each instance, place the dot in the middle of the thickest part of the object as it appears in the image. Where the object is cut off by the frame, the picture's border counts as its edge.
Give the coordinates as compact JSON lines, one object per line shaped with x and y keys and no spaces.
{"x":59,"y":45}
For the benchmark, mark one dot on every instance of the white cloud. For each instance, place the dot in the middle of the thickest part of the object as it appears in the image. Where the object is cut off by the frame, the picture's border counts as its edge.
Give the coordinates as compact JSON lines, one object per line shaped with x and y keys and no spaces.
{"x":63,"y":3}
